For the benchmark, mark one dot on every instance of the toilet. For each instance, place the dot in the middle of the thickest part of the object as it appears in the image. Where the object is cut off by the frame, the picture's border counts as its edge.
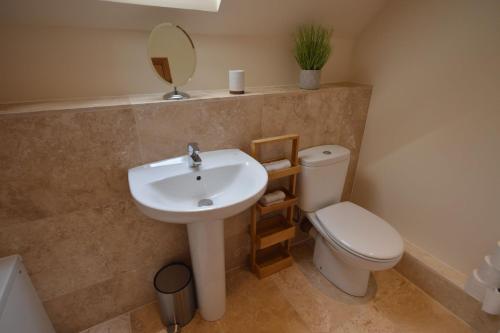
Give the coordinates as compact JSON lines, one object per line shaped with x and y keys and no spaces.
{"x":350,"y":241}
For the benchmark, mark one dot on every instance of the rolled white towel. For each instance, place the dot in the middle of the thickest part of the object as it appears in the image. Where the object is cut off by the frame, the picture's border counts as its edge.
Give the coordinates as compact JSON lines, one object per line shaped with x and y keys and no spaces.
{"x":274,"y":202}
{"x":277,"y":165}
{"x":489,"y":273}
{"x":273,"y":197}
{"x":475,"y":286}
{"x":491,"y":301}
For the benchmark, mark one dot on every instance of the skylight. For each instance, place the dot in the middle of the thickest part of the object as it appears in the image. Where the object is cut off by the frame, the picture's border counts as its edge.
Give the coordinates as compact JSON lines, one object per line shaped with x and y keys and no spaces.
{"x":205,"y":5}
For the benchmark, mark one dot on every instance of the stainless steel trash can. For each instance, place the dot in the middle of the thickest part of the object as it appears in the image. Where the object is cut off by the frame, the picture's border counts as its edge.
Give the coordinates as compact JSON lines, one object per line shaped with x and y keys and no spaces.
{"x":175,"y":290}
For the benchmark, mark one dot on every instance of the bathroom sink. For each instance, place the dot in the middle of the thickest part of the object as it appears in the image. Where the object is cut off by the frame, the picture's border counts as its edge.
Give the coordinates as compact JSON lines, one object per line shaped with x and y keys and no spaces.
{"x":228,"y":182}
{"x":221,"y":184}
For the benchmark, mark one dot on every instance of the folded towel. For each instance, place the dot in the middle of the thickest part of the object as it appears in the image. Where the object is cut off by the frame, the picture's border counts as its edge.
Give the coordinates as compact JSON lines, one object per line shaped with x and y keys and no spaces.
{"x":277,"y":165}
{"x":272,"y":203}
{"x":273,"y":197}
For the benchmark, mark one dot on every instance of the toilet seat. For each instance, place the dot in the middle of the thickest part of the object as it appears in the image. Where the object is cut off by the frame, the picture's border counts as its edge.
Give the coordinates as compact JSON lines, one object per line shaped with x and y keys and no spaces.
{"x":360,"y":232}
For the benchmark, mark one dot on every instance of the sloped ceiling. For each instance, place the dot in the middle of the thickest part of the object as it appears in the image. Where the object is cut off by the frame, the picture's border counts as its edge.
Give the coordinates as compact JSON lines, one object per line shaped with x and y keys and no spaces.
{"x":235,"y":17}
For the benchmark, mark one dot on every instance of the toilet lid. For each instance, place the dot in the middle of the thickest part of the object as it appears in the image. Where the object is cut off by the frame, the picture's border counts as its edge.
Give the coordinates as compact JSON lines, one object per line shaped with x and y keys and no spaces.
{"x":323,"y":155}
{"x":360,"y":231}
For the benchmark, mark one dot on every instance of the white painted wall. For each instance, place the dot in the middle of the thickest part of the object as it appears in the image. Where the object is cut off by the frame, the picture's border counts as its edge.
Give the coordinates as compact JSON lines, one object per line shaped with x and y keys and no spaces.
{"x":58,"y":49}
{"x":72,"y":62}
{"x":430,"y":158}
{"x":41,"y":63}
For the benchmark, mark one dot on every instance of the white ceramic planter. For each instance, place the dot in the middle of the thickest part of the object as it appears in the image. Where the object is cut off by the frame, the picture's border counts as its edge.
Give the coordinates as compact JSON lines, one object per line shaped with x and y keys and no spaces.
{"x":309,"y":79}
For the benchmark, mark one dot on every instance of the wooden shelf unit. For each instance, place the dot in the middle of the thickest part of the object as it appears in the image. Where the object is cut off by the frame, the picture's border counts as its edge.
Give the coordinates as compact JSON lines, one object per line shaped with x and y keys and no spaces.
{"x":284,"y":173}
{"x":273,"y":230}
{"x":290,"y":200}
{"x":271,"y":236}
{"x":271,"y":260}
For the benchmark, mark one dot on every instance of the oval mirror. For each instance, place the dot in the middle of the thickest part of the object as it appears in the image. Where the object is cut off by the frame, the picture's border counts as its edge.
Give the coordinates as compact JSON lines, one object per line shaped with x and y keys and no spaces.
{"x":172,"y":55}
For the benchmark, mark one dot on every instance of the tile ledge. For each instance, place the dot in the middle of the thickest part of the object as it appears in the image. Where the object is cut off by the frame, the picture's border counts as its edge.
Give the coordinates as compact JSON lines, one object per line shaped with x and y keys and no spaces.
{"x":82,"y":104}
{"x":449,"y":273}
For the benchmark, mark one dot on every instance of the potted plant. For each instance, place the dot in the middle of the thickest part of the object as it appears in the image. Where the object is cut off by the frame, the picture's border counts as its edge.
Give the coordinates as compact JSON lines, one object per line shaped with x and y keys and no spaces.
{"x":312,"y":50}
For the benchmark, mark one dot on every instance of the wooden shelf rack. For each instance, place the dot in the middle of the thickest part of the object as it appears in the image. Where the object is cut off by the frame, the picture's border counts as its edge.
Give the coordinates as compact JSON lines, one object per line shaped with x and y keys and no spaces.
{"x":271,"y":236}
{"x":290,"y":200}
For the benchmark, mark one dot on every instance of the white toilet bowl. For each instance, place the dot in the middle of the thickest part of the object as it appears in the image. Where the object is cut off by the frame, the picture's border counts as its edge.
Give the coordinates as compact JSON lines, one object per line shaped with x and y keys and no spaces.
{"x":351,"y":241}
{"x":342,"y":260}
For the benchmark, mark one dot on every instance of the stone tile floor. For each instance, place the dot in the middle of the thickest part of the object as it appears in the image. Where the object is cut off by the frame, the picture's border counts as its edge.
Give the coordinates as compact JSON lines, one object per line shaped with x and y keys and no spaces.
{"x":300,"y":299}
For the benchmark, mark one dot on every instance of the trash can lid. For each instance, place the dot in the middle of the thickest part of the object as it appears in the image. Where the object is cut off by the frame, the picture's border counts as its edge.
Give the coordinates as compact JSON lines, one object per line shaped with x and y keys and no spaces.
{"x":172,"y":278}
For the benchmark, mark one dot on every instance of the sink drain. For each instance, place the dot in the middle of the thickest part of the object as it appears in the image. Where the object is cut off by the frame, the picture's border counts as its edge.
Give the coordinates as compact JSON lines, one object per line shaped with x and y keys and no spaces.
{"x":205,"y":202}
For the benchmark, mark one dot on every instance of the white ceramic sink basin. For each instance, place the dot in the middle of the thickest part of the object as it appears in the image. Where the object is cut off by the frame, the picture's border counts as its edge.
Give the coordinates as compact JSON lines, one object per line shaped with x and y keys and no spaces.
{"x":227,"y":182}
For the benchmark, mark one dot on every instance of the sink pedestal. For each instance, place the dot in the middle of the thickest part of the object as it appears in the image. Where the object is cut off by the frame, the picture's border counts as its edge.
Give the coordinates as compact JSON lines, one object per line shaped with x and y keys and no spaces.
{"x":206,"y":243}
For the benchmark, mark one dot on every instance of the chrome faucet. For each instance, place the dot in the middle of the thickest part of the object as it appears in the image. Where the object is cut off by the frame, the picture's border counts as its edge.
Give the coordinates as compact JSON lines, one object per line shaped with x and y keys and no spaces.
{"x":194,"y":159}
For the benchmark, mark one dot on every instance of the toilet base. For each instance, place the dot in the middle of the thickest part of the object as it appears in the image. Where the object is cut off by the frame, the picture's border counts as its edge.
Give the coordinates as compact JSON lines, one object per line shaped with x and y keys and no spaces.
{"x":350,"y":279}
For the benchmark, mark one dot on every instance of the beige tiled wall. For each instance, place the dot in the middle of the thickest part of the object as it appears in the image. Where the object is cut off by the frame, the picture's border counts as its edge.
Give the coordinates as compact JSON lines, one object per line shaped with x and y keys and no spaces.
{"x":64,"y":200}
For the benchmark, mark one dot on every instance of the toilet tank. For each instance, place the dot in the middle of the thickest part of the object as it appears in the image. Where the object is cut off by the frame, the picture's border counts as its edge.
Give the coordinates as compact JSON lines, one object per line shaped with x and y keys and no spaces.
{"x":20,"y":308}
{"x":321,"y":181}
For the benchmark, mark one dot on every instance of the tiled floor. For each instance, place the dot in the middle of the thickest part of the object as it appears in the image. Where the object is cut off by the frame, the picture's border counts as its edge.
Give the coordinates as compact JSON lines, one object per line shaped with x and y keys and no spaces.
{"x":300,"y":299}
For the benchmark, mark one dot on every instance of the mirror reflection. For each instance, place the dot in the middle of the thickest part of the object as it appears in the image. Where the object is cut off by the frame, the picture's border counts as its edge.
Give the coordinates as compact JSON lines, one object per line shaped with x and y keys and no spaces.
{"x":172,"y":55}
